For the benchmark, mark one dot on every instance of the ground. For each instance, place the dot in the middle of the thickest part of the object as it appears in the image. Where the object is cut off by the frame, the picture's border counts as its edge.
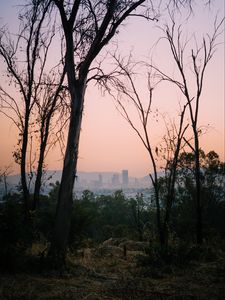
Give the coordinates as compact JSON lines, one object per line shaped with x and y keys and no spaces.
{"x":114,"y":277}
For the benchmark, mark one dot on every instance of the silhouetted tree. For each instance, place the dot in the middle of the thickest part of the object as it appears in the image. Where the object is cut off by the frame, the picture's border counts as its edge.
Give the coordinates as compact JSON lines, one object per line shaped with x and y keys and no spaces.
{"x":173,"y":145}
{"x":88,"y":26}
{"x":42,"y":91}
{"x":51,"y":104}
{"x":200,"y":57}
{"x":25,"y":59}
{"x":127,"y":90}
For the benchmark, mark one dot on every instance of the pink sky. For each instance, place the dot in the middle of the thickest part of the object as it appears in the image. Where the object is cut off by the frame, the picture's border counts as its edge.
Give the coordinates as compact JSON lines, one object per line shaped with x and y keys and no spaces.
{"x":107,"y":142}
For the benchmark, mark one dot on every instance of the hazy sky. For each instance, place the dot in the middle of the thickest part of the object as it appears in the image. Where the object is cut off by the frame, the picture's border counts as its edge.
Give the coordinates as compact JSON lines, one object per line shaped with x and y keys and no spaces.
{"x":107,"y":142}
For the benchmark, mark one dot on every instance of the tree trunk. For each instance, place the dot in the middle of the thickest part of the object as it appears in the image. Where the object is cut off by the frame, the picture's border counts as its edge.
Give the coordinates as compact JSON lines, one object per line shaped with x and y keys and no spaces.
{"x":158,"y":218}
{"x":26,"y":194}
{"x":37,"y":187}
{"x":170,"y":198}
{"x":199,"y":234}
{"x":170,"y":195}
{"x":76,"y":86}
{"x":44,"y":139}
{"x":57,"y":250}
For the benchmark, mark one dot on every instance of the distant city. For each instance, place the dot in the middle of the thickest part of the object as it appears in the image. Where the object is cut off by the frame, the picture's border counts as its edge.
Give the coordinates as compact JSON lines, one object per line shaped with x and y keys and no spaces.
{"x":98,"y":182}
{"x":110,"y":180}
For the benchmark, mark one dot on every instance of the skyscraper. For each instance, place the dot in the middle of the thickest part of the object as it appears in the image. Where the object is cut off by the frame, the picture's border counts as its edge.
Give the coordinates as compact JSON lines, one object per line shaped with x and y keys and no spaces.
{"x":125,"y":178}
{"x":115,"y":180}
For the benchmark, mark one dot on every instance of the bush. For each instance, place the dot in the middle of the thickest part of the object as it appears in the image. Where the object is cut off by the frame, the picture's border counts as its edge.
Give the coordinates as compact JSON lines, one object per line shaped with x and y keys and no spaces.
{"x":16,"y":235}
{"x":177,"y":255}
{"x":44,"y":219}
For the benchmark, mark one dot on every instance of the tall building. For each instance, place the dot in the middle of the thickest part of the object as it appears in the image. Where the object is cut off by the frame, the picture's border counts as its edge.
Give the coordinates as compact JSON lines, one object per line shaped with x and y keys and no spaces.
{"x":115,"y":180}
{"x":100,"y":179}
{"x":125,"y":178}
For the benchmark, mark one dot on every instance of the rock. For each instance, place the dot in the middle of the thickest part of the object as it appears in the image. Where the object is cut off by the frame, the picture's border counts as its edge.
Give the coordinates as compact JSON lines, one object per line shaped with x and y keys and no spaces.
{"x":133,"y":245}
{"x":113,"y":241}
{"x":109,"y":251}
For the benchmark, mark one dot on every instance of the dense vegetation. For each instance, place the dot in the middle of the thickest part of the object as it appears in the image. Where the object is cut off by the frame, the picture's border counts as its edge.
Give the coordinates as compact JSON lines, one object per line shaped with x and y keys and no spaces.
{"x":98,"y":218}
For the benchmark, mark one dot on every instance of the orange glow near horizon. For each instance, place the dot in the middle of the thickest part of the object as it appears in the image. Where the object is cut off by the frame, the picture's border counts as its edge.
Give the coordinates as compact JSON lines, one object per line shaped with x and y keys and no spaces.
{"x":107,"y":142}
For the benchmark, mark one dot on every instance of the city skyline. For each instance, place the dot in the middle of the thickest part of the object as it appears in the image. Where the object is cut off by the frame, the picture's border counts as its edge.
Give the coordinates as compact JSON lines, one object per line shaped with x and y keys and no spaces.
{"x":98,"y":182}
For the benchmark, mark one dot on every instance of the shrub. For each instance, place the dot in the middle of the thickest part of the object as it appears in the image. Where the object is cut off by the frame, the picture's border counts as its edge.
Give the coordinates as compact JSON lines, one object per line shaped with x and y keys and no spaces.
{"x":16,"y":235}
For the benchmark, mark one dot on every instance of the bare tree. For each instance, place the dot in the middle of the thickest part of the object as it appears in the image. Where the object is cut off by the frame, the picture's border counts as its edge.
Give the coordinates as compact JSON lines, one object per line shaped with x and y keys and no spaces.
{"x":173,"y":144}
{"x":25,"y":59}
{"x":88,"y":26}
{"x":49,"y":105}
{"x":200,"y":58}
{"x":43,"y":102}
{"x":126,"y":91}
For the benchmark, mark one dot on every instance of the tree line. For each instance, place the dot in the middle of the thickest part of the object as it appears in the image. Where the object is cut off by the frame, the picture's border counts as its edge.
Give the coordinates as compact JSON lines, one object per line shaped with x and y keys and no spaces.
{"x":96,"y":218}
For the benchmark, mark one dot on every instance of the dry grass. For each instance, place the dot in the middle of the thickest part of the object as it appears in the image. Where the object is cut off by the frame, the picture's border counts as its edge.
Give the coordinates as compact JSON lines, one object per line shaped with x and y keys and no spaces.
{"x":98,"y":278}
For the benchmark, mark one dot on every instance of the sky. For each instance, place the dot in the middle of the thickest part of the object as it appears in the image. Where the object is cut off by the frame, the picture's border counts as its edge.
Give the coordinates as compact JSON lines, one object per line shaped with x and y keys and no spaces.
{"x":107,"y":142}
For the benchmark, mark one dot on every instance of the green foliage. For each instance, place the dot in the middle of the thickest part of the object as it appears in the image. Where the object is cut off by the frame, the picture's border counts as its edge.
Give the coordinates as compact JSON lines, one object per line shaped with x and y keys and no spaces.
{"x":139,"y":215}
{"x":83,"y":221}
{"x":98,"y":218}
{"x":44,"y":219}
{"x":183,"y":213}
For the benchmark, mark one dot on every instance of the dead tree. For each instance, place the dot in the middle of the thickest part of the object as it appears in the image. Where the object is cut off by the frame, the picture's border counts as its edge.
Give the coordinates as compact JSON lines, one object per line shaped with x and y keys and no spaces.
{"x":173,"y":144}
{"x":127,"y":91}
{"x":51,"y":108}
{"x":200,"y":58}
{"x":25,"y":59}
{"x":46,"y":94}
